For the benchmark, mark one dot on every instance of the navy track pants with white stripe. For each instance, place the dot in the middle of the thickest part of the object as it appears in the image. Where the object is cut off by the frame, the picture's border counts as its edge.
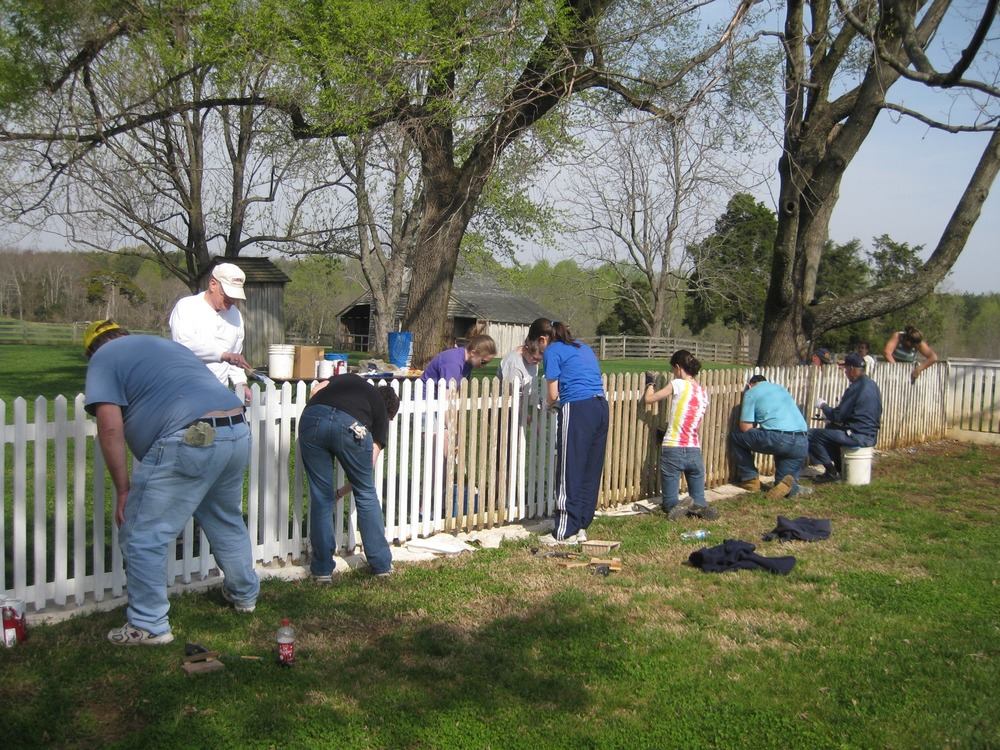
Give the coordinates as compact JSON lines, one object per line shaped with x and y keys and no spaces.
{"x":583,"y":435}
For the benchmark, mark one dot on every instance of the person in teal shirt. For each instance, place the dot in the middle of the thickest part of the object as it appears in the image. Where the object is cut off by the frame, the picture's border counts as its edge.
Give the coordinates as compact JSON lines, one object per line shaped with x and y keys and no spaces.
{"x":770,"y":422}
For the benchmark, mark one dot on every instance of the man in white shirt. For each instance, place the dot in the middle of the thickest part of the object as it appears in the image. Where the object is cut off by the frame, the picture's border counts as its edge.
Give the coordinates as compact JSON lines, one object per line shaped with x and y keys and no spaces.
{"x":210,"y":325}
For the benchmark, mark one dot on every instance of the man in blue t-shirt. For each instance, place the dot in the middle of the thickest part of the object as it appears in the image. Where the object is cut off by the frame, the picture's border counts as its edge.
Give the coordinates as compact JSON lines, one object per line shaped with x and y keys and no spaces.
{"x":191,"y":445}
{"x":770,"y":422}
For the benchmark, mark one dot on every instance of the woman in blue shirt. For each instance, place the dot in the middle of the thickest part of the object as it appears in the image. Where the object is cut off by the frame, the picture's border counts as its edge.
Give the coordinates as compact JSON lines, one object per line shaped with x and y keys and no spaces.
{"x":576,"y":389}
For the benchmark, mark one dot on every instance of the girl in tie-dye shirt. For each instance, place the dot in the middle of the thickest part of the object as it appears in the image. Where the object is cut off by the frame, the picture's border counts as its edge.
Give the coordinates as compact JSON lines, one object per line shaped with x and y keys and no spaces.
{"x":687,"y":402}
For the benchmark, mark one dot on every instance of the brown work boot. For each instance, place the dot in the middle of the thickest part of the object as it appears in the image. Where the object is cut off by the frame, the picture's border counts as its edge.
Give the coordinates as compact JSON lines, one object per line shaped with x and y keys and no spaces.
{"x":750,"y":485}
{"x":781,"y":489}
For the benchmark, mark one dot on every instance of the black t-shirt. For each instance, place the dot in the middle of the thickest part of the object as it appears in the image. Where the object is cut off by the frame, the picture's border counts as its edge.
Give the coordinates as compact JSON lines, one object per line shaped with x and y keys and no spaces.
{"x":357,"y":397}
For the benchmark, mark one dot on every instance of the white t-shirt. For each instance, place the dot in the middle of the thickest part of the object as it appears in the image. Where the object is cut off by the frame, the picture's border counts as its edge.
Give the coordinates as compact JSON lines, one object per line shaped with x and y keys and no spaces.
{"x":209,"y":334}
{"x":514,"y":370}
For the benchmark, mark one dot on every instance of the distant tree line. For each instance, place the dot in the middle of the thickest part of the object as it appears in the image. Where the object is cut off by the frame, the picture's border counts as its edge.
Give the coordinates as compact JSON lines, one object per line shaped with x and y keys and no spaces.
{"x":63,"y":287}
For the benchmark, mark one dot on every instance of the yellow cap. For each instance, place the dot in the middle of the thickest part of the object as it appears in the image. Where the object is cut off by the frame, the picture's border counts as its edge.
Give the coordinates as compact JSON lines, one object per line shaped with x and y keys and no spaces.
{"x":95,"y":329}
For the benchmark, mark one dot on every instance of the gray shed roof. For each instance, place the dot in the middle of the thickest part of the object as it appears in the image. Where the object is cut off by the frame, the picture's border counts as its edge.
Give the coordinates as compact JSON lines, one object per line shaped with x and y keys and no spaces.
{"x":258,"y":270}
{"x":475,"y":295}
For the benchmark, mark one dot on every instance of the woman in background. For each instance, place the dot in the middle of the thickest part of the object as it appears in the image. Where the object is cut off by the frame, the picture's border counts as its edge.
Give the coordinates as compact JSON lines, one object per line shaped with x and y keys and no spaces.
{"x":681,"y":453}
{"x":520,"y":367}
{"x":905,"y":345}
{"x":575,"y":388}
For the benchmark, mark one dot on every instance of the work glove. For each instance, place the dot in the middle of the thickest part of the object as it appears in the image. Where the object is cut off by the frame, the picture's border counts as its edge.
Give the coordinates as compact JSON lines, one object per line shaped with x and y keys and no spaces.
{"x":820,"y":403}
{"x":650,"y":378}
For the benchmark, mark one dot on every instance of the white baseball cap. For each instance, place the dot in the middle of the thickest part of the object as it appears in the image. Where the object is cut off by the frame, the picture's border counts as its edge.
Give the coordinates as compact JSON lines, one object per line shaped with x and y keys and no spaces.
{"x":231,"y":278}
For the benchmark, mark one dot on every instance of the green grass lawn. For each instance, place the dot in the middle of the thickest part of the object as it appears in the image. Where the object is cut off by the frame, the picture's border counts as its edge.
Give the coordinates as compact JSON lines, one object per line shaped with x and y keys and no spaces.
{"x":886,"y":635}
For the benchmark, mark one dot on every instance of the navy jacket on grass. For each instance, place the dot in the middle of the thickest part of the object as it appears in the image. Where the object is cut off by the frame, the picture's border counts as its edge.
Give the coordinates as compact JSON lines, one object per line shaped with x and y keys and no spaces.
{"x":735,"y":554}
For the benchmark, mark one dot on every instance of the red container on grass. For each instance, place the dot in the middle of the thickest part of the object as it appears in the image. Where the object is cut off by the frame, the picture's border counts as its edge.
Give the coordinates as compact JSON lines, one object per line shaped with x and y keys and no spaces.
{"x":15,"y":622}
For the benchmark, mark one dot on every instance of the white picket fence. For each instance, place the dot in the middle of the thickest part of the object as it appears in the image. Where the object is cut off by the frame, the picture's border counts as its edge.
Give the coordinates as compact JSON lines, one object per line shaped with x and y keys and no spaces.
{"x":60,"y":546}
{"x":974,"y":395}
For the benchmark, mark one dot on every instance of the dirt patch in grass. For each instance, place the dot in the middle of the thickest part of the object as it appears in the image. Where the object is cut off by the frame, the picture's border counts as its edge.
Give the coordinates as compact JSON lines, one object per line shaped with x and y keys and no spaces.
{"x":763,"y":620}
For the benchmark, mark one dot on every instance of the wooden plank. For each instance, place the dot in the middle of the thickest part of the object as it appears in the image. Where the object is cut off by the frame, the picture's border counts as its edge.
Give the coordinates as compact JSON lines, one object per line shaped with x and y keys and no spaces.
{"x":450,"y":446}
{"x":60,"y":540}
{"x":484,"y":462}
{"x":97,"y":527}
{"x":79,"y":498}
{"x":406,"y":469}
{"x":390,"y":475}
{"x":461,"y":444}
{"x":614,"y":443}
{"x":636,"y":433}
{"x":506,"y":445}
{"x":472,"y":467}
{"x":40,"y":504}
{"x":425,"y":448}
{"x":20,"y":488}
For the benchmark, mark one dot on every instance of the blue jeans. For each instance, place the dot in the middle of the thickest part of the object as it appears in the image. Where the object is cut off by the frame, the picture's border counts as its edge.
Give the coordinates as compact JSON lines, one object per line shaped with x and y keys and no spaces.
{"x":825,"y":444}
{"x":173,"y":482}
{"x":325,"y":435}
{"x":788,"y":448}
{"x":689,"y":461}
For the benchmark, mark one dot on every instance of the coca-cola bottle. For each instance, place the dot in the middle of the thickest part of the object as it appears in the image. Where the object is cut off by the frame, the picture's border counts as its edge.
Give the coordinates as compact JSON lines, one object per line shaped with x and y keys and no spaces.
{"x":286,"y":643}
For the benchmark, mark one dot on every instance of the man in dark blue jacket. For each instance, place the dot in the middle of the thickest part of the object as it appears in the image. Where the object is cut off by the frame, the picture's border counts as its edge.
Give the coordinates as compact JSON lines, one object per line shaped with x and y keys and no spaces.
{"x":853,"y":423}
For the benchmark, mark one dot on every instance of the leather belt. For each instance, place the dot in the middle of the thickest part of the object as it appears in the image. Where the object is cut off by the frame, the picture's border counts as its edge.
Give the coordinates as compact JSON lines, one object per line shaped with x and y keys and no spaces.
{"x":222,"y":421}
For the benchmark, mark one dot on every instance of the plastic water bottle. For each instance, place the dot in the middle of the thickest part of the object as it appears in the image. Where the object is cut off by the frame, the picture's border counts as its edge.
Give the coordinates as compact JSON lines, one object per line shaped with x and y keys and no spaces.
{"x":696,"y":534}
{"x":286,"y":643}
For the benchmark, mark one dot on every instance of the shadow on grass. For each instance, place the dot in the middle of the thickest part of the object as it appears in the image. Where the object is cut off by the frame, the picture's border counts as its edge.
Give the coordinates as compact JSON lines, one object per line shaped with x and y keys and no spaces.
{"x":364,"y":680}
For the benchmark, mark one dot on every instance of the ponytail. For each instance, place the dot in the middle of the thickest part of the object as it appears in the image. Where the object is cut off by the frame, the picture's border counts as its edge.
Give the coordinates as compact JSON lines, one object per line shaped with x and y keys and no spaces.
{"x":540,"y":327}
{"x":687,"y":361}
{"x":561,"y":332}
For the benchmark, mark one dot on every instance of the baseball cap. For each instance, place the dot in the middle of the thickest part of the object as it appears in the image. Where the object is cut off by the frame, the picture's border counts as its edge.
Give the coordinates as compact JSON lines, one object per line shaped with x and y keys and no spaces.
{"x":231,"y":277}
{"x":854,"y":360}
{"x":95,"y":329}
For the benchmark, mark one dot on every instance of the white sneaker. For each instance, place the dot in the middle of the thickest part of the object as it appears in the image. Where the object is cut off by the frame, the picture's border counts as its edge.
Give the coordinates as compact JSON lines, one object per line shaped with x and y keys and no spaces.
{"x":551,"y":541}
{"x":129,"y":635}
{"x":581,"y":535}
{"x":238,"y":606}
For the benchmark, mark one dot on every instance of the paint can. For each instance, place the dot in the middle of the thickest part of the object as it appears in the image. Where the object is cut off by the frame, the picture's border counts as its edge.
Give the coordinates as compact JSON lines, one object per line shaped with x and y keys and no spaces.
{"x":338,"y":362}
{"x":15,"y":623}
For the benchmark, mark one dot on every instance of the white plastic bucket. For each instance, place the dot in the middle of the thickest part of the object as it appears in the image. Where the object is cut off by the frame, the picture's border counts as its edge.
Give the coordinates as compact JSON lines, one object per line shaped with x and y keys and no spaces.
{"x":280,"y":365}
{"x":324,"y":368}
{"x":857,"y":463}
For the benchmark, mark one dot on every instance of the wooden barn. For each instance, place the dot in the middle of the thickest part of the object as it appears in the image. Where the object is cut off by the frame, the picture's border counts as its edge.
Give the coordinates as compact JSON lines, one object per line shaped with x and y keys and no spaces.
{"x":475,"y":299}
{"x":263,"y":311}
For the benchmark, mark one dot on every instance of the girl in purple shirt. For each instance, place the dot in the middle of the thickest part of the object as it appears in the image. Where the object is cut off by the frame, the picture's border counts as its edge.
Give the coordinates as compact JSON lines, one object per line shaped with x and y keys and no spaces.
{"x":457,"y":363}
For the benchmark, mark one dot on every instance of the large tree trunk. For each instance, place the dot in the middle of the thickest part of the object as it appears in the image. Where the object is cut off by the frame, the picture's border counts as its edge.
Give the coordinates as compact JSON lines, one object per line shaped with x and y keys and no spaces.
{"x":430,"y":283}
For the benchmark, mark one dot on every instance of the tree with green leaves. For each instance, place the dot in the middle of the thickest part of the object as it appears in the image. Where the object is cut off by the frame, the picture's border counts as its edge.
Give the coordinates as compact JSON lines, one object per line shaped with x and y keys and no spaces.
{"x":842,"y":61}
{"x":730,"y":278}
{"x":466,"y":79}
{"x":625,"y":317}
{"x":179,"y":182}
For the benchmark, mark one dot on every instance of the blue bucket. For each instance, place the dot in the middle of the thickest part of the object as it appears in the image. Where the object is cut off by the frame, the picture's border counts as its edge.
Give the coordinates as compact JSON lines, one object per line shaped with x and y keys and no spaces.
{"x":400,"y":349}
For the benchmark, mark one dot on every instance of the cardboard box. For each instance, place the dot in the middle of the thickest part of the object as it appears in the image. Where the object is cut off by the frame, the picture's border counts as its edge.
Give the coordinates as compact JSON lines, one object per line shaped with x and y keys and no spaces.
{"x":306,"y":358}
